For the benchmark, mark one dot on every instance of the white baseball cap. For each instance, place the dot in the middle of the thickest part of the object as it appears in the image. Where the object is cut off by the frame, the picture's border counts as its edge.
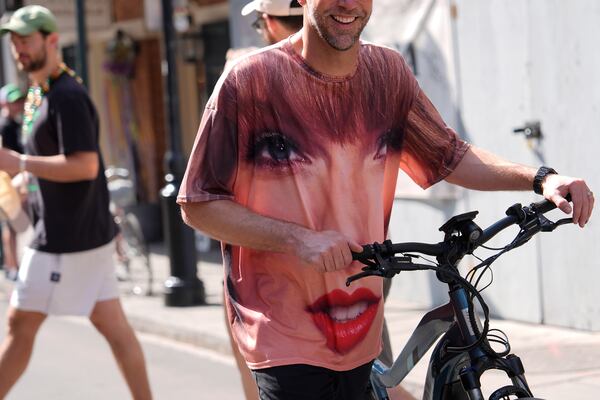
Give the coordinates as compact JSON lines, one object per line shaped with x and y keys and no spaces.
{"x":278,"y":8}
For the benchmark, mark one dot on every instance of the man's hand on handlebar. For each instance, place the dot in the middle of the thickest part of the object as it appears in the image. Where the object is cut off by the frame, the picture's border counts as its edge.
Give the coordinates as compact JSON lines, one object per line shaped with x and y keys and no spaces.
{"x":326,"y":251}
{"x":556,"y":187}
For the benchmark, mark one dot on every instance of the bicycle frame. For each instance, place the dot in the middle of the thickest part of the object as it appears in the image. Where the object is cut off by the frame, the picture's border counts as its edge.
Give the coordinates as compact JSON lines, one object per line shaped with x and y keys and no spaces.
{"x":430,"y":328}
{"x":446,"y":369}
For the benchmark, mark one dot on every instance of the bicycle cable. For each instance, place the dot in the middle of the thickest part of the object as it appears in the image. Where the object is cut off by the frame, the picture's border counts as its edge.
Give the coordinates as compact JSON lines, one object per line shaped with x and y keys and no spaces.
{"x":472,"y":274}
{"x":465,"y":284}
{"x":485,"y":265}
{"x":500,"y":339}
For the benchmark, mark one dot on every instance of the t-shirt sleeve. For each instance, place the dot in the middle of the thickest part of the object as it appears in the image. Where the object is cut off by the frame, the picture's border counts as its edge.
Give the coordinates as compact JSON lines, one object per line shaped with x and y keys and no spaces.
{"x":210,"y":173}
{"x":75,"y":123}
{"x":431,"y":149}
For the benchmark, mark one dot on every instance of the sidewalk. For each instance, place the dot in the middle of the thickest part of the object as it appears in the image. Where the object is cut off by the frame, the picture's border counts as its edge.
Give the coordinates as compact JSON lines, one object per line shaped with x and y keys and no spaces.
{"x":560,"y":363}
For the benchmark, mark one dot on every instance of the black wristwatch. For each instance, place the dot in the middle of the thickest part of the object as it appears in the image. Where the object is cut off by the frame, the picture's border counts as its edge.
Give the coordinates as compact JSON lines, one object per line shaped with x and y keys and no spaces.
{"x":541,"y":174}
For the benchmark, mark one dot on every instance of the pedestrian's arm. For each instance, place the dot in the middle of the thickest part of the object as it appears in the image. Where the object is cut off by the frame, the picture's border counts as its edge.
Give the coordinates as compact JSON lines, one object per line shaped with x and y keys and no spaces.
{"x":482,"y":170}
{"x":232,"y":223}
{"x":77,"y":166}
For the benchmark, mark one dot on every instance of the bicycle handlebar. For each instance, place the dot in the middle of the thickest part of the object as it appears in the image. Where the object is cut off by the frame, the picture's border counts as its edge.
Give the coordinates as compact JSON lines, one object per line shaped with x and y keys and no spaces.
{"x":544,"y":206}
{"x":516,"y":214}
{"x":461,"y":237}
{"x":386,"y":249}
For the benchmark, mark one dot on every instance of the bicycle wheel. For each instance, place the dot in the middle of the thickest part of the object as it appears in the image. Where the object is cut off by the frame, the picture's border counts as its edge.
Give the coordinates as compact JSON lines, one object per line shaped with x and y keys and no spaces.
{"x":510,"y":392}
{"x":137,"y":270}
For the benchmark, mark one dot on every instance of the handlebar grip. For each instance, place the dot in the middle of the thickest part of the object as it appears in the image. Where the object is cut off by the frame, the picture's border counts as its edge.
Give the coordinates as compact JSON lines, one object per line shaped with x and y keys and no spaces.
{"x":546,"y":205}
{"x":366,"y":253}
{"x":388,"y":248}
{"x":543,"y":206}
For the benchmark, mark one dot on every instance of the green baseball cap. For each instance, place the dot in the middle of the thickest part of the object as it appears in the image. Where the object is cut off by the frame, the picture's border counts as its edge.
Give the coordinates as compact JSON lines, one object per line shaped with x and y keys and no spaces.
{"x":29,"y":19}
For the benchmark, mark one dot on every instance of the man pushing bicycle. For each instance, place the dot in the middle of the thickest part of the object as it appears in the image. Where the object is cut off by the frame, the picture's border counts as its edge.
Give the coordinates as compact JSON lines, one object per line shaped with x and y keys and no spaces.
{"x":294,"y":167}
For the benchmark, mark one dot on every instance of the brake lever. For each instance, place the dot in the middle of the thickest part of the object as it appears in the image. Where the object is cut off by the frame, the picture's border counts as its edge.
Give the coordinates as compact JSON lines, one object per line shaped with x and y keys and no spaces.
{"x":553,"y":225}
{"x":377,"y":267}
{"x":545,"y":224}
{"x":367,"y":271}
{"x":386,"y":268}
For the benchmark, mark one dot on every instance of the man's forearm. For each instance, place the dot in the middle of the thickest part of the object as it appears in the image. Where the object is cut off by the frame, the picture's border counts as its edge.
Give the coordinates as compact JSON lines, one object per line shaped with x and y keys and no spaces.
{"x":231,"y":223}
{"x":60,"y":168}
{"x":481,"y":170}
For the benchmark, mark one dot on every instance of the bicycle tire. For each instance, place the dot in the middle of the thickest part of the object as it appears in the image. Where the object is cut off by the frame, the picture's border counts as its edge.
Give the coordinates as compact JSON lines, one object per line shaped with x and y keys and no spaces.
{"x":510,"y":390}
{"x":138,"y":276}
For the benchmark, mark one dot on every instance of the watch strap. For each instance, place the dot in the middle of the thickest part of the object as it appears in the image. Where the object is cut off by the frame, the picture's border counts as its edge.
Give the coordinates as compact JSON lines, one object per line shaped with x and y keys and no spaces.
{"x":538,"y":180}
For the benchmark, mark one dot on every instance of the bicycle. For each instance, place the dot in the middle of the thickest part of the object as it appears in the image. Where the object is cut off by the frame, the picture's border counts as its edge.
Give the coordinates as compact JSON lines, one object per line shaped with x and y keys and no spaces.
{"x":134,"y":270}
{"x":464,"y":352}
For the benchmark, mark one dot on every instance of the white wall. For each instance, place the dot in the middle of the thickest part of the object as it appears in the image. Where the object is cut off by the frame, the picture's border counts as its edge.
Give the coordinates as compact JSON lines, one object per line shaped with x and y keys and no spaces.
{"x":519,"y":61}
{"x":538,"y":60}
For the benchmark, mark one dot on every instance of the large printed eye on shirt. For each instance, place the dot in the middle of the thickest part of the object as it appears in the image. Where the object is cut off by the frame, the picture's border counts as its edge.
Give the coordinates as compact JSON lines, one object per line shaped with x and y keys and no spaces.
{"x":290,"y":153}
{"x":324,"y":152}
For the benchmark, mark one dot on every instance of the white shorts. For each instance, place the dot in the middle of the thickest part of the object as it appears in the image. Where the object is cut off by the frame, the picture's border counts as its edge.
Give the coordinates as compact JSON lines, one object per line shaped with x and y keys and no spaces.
{"x":65,"y":284}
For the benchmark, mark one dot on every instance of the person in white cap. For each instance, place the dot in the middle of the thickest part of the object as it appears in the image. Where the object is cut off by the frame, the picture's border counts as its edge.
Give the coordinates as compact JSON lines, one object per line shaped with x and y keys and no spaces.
{"x":275,"y":19}
{"x":68,"y":267}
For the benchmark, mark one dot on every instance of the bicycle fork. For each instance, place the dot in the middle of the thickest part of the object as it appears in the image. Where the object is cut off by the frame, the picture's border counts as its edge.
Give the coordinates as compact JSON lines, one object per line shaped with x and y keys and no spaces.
{"x":470,"y":375}
{"x":512,"y":365}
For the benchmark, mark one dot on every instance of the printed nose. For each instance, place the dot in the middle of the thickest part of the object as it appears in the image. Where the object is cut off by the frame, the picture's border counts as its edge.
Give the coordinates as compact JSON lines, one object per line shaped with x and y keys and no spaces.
{"x":346,"y":201}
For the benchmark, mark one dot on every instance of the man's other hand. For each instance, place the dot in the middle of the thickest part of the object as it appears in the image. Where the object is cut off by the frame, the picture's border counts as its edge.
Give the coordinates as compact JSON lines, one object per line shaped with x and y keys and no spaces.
{"x":556,"y":188}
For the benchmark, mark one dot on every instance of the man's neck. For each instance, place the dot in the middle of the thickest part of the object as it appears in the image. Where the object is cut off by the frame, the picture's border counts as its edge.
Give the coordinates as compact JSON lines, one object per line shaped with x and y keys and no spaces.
{"x":322,"y":57}
{"x":40,"y":76}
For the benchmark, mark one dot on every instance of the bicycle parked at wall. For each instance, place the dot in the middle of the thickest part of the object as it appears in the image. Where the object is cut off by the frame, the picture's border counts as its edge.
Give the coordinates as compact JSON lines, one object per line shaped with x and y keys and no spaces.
{"x":464,"y":352}
{"x":134,"y":270}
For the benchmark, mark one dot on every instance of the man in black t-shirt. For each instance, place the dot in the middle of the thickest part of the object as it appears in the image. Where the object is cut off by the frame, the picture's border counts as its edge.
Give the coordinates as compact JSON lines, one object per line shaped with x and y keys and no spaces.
{"x":68,"y":267}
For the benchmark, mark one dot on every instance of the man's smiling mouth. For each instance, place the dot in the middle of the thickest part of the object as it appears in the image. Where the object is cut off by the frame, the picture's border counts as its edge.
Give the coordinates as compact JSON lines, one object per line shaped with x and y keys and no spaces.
{"x":344,"y":319}
{"x":343,"y":20}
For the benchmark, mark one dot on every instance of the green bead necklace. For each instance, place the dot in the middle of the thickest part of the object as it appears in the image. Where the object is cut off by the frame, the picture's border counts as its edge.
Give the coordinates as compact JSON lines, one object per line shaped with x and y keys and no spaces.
{"x":35,"y":96}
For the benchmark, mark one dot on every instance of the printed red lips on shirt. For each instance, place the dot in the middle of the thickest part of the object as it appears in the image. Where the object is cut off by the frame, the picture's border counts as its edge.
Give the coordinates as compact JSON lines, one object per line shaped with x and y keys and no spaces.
{"x":344,"y":332}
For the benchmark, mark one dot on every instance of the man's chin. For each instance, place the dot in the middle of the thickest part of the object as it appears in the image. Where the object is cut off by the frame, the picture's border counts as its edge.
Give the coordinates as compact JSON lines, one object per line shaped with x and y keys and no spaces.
{"x":29,"y":68}
{"x":341,"y":46}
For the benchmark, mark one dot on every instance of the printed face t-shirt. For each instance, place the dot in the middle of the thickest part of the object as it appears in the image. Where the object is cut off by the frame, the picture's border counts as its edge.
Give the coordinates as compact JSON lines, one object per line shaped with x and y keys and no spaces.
{"x":289,"y":143}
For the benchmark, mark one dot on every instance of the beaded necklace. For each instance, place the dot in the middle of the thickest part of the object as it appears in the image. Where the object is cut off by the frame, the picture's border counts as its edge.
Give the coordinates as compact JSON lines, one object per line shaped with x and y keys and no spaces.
{"x":35,"y":96}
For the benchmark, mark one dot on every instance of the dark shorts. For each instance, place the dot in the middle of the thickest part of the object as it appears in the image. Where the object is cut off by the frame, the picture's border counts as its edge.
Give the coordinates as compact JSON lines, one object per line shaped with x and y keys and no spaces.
{"x":307,"y":382}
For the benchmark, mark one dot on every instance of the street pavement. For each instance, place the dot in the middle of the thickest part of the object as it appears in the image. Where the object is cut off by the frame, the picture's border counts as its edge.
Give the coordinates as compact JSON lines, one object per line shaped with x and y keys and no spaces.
{"x":560,"y":363}
{"x":72,"y":361}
